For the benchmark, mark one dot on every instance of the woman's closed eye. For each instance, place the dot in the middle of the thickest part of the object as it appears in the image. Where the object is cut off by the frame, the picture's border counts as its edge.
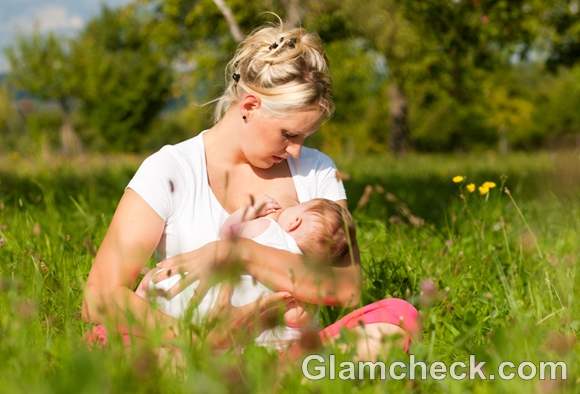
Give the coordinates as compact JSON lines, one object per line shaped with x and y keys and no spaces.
{"x":288,"y":135}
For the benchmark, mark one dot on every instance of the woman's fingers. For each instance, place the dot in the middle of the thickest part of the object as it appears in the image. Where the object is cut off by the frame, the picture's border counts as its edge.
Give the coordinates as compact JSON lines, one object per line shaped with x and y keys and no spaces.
{"x":200,"y":290}
{"x":186,"y":280}
{"x":277,"y":298}
{"x":172,"y":261}
{"x":267,"y":307}
{"x":164,"y":273}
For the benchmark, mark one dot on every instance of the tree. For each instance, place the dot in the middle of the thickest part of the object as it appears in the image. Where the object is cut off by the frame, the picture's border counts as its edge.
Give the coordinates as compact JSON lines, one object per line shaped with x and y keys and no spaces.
{"x":563,"y":20}
{"x":201,"y":36}
{"x":384,"y":25}
{"x":475,"y":40}
{"x":122,"y":79}
{"x":41,"y":65}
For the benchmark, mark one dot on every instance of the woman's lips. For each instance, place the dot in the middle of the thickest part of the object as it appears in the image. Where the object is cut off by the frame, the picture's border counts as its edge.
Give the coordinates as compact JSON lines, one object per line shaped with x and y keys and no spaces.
{"x":278,"y":159}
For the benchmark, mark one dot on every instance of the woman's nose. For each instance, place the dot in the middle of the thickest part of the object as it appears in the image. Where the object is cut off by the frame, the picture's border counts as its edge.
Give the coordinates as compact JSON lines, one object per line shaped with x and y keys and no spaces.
{"x":293,"y":149}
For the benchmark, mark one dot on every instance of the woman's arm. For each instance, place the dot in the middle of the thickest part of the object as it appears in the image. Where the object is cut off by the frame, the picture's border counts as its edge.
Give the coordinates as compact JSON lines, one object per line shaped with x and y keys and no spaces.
{"x":278,"y":269}
{"x":286,"y":271}
{"x":130,"y":240}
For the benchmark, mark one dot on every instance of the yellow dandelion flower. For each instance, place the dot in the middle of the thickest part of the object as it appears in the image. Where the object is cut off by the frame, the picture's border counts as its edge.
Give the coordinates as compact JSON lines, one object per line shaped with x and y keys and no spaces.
{"x":489,"y":185}
{"x":483,"y":190}
{"x":471,"y":187}
{"x":458,"y":179}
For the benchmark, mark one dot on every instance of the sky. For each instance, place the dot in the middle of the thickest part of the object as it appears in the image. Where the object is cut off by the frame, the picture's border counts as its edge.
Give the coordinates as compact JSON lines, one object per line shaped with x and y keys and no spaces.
{"x":66,"y":17}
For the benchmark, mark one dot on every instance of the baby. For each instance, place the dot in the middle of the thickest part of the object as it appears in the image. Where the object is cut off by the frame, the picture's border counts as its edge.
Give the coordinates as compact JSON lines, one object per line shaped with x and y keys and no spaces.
{"x":319,"y":229}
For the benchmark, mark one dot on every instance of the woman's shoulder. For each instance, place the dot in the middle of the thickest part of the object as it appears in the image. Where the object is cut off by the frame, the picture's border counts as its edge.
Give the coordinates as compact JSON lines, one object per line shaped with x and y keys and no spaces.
{"x":313,"y":159}
{"x":165,"y":178}
{"x":316,"y":176}
{"x":186,"y":149}
{"x":189,"y":145}
{"x":185,"y":155}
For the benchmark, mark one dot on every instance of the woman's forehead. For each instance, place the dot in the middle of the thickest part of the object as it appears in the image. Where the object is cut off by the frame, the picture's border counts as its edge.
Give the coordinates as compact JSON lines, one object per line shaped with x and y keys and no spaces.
{"x":303,"y":122}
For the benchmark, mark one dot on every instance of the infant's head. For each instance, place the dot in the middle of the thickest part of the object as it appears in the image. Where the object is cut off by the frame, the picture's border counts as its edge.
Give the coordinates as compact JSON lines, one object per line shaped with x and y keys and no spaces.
{"x":322,"y":228}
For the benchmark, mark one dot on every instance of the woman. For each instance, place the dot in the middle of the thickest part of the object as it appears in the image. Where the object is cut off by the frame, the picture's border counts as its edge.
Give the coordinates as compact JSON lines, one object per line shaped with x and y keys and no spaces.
{"x":278,"y":93}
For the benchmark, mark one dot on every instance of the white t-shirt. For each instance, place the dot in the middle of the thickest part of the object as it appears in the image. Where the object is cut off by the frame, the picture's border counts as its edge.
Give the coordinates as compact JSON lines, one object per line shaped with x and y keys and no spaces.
{"x":174,"y":182}
{"x":245,"y":291}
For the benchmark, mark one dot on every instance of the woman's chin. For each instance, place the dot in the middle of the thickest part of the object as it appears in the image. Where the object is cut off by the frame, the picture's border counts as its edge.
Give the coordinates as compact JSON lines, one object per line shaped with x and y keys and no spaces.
{"x":263,"y":164}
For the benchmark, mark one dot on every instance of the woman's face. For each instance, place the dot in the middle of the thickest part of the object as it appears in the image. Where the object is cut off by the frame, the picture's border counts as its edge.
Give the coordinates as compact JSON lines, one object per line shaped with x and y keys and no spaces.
{"x":270,"y":140}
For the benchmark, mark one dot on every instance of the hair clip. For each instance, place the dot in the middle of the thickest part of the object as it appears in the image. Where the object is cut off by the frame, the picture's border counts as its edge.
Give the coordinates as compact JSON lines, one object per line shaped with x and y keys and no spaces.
{"x":273,"y":46}
{"x":236,"y":77}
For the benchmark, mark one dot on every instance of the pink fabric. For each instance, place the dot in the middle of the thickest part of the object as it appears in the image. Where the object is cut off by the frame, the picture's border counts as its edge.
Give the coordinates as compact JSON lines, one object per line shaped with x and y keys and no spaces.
{"x":391,"y":310}
{"x":98,"y":336}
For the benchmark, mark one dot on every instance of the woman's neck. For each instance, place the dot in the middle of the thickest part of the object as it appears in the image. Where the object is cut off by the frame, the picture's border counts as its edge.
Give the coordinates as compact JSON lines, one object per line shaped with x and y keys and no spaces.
{"x":222,"y":142}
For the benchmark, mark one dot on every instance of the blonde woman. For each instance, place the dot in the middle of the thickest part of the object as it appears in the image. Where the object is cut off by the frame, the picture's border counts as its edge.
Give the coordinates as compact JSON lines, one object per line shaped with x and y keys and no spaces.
{"x":278,"y":91}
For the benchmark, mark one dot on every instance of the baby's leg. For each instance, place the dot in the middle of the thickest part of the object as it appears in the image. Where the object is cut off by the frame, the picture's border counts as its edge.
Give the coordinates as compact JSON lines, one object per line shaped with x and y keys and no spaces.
{"x":377,"y":327}
{"x":377,"y":339}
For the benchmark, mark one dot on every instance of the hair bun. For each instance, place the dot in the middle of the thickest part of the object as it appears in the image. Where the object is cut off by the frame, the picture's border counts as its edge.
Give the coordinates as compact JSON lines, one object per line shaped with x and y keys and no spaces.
{"x":286,"y":68}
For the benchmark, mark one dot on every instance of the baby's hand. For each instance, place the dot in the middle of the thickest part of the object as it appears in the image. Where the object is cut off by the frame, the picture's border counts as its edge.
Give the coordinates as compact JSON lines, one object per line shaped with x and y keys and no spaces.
{"x":296,"y":316}
{"x":264,"y":206}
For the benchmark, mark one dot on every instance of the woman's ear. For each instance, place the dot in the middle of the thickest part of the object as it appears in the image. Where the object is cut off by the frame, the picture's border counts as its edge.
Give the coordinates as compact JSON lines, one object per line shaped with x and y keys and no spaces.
{"x":249,"y":103}
{"x":294,"y":224}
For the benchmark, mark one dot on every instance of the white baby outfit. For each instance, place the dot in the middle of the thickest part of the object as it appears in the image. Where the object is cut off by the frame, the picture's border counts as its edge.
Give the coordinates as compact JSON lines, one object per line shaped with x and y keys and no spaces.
{"x":246,"y":291}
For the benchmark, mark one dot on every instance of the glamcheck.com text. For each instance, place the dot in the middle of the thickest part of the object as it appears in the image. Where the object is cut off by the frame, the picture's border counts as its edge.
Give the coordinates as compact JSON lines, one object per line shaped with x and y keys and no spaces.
{"x":318,"y":367}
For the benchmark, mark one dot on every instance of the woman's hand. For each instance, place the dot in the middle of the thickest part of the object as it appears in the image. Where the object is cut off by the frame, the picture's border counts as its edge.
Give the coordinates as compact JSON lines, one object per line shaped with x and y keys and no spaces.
{"x":194,"y":265}
{"x":238,"y":325}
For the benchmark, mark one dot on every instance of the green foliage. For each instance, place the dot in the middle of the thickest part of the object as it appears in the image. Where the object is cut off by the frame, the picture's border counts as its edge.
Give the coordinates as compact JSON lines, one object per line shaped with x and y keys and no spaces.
{"x":123,"y":82}
{"x":41,"y":131}
{"x":41,"y":65}
{"x":176,"y":126}
{"x":357,"y":78}
{"x":563,"y":19}
{"x":557,"y":104}
{"x":8,"y":119}
{"x":458,"y":75}
{"x":447,"y":124}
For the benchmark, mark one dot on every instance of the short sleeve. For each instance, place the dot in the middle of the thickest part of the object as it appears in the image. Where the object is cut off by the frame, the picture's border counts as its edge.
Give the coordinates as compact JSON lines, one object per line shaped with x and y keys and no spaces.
{"x":328,"y":183}
{"x":160,"y":181}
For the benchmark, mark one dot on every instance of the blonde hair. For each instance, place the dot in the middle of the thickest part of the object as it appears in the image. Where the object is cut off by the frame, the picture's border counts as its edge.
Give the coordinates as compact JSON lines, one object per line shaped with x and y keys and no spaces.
{"x":334,"y":235}
{"x":286,"y":68}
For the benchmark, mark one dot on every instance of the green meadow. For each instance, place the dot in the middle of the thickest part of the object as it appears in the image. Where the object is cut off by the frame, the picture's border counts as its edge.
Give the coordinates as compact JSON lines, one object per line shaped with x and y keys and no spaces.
{"x":494,"y":275}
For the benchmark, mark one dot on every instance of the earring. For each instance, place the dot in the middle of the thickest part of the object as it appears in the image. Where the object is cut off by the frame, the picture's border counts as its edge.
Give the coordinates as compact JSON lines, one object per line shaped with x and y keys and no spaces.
{"x":244,"y":117}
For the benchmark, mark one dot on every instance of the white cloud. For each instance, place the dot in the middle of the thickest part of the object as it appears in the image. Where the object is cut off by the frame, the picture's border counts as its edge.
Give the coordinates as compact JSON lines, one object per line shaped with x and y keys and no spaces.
{"x":64,"y":17}
{"x":48,"y":18}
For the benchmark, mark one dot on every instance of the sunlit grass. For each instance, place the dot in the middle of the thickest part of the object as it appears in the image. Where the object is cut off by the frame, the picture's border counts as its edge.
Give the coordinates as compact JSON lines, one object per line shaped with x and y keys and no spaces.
{"x":493,"y":275}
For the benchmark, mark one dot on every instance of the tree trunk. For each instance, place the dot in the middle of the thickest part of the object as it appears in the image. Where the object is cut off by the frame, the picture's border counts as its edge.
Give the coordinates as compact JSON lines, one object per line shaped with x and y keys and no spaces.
{"x":293,"y":13}
{"x":226,"y":11}
{"x":70,"y":143}
{"x":398,"y":141}
{"x":503,"y":144}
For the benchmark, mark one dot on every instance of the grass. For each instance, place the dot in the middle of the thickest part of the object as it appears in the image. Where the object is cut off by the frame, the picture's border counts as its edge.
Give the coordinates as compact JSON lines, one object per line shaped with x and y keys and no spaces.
{"x":493,"y":276}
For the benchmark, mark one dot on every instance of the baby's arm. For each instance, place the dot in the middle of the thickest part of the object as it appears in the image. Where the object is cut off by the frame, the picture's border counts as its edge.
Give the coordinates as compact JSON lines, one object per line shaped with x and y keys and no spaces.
{"x":239,"y":221}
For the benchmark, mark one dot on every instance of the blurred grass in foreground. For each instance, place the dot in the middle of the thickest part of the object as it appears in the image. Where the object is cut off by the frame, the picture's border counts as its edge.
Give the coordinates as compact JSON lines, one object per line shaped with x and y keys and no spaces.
{"x":492,"y":276}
